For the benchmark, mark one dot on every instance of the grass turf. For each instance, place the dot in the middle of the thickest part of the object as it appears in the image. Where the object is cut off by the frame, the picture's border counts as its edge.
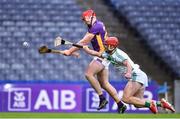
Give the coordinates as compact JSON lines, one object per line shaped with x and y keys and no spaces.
{"x":84,"y":115}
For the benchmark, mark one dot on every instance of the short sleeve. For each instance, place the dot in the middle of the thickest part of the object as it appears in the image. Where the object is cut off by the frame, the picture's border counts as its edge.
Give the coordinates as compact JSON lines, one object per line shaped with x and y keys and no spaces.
{"x":120,"y":58}
{"x":95,"y":29}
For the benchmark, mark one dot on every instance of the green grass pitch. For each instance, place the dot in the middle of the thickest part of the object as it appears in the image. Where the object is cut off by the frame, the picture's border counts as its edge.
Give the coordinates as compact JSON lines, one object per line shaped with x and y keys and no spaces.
{"x":85,"y":115}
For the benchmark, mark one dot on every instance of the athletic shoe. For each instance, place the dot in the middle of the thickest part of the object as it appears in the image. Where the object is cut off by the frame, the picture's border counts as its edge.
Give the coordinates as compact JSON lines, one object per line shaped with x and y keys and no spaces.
{"x":153,"y":107}
{"x":122,"y":109}
{"x":102,"y":104}
{"x":165,"y":104}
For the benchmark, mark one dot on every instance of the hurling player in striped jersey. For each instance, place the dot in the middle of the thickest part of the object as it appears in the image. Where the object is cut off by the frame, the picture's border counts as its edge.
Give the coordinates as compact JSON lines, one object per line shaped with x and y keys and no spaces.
{"x":137,"y":80}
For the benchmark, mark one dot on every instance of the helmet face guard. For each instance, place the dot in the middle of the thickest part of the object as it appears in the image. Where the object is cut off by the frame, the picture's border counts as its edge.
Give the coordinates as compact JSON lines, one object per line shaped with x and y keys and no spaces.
{"x":111,"y":43}
{"x":109,"y":48}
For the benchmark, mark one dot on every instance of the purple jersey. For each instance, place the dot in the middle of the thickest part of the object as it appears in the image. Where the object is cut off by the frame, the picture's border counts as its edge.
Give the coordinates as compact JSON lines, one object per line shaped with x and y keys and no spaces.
{"x":98,"y":29}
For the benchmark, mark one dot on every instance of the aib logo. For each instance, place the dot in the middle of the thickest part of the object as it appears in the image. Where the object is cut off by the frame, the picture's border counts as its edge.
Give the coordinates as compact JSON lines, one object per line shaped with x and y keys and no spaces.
{"x":92,"y":101}
{"x":19,"y":99}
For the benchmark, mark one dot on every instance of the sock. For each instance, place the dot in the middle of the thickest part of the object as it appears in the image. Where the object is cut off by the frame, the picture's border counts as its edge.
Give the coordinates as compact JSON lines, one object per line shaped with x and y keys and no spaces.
{"x":147,"y":104}
{"x":158,"y":103}
{"x":101,"y":97}
{"x":120,"y":104}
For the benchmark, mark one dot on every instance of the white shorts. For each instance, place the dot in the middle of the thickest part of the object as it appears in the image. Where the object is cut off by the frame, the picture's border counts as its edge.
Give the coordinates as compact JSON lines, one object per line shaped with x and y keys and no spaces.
{"x":139,"y":76}
{"x":104,"y":62}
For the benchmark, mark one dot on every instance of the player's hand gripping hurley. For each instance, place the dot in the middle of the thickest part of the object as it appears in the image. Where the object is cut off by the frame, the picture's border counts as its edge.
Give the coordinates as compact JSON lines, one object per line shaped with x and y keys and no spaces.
{"x":57,"y":42}
{"x":60,"y":41}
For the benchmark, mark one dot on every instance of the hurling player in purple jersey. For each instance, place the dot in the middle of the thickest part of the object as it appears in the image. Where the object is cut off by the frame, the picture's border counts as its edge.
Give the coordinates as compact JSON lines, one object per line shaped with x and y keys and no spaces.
{"x":98,"y":67}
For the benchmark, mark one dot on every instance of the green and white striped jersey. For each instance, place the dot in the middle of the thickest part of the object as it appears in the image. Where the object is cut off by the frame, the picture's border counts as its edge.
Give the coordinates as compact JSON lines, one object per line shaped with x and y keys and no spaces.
{"x":117,"y":59}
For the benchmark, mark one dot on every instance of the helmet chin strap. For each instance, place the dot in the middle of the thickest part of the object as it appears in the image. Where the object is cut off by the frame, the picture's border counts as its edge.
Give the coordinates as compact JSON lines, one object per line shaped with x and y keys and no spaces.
{"x":89,"y":25}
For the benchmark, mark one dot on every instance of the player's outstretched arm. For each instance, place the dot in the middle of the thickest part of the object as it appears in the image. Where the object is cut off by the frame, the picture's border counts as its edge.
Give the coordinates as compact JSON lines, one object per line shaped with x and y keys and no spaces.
{"x":92,"y":52}
{"x":86,"y":39}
